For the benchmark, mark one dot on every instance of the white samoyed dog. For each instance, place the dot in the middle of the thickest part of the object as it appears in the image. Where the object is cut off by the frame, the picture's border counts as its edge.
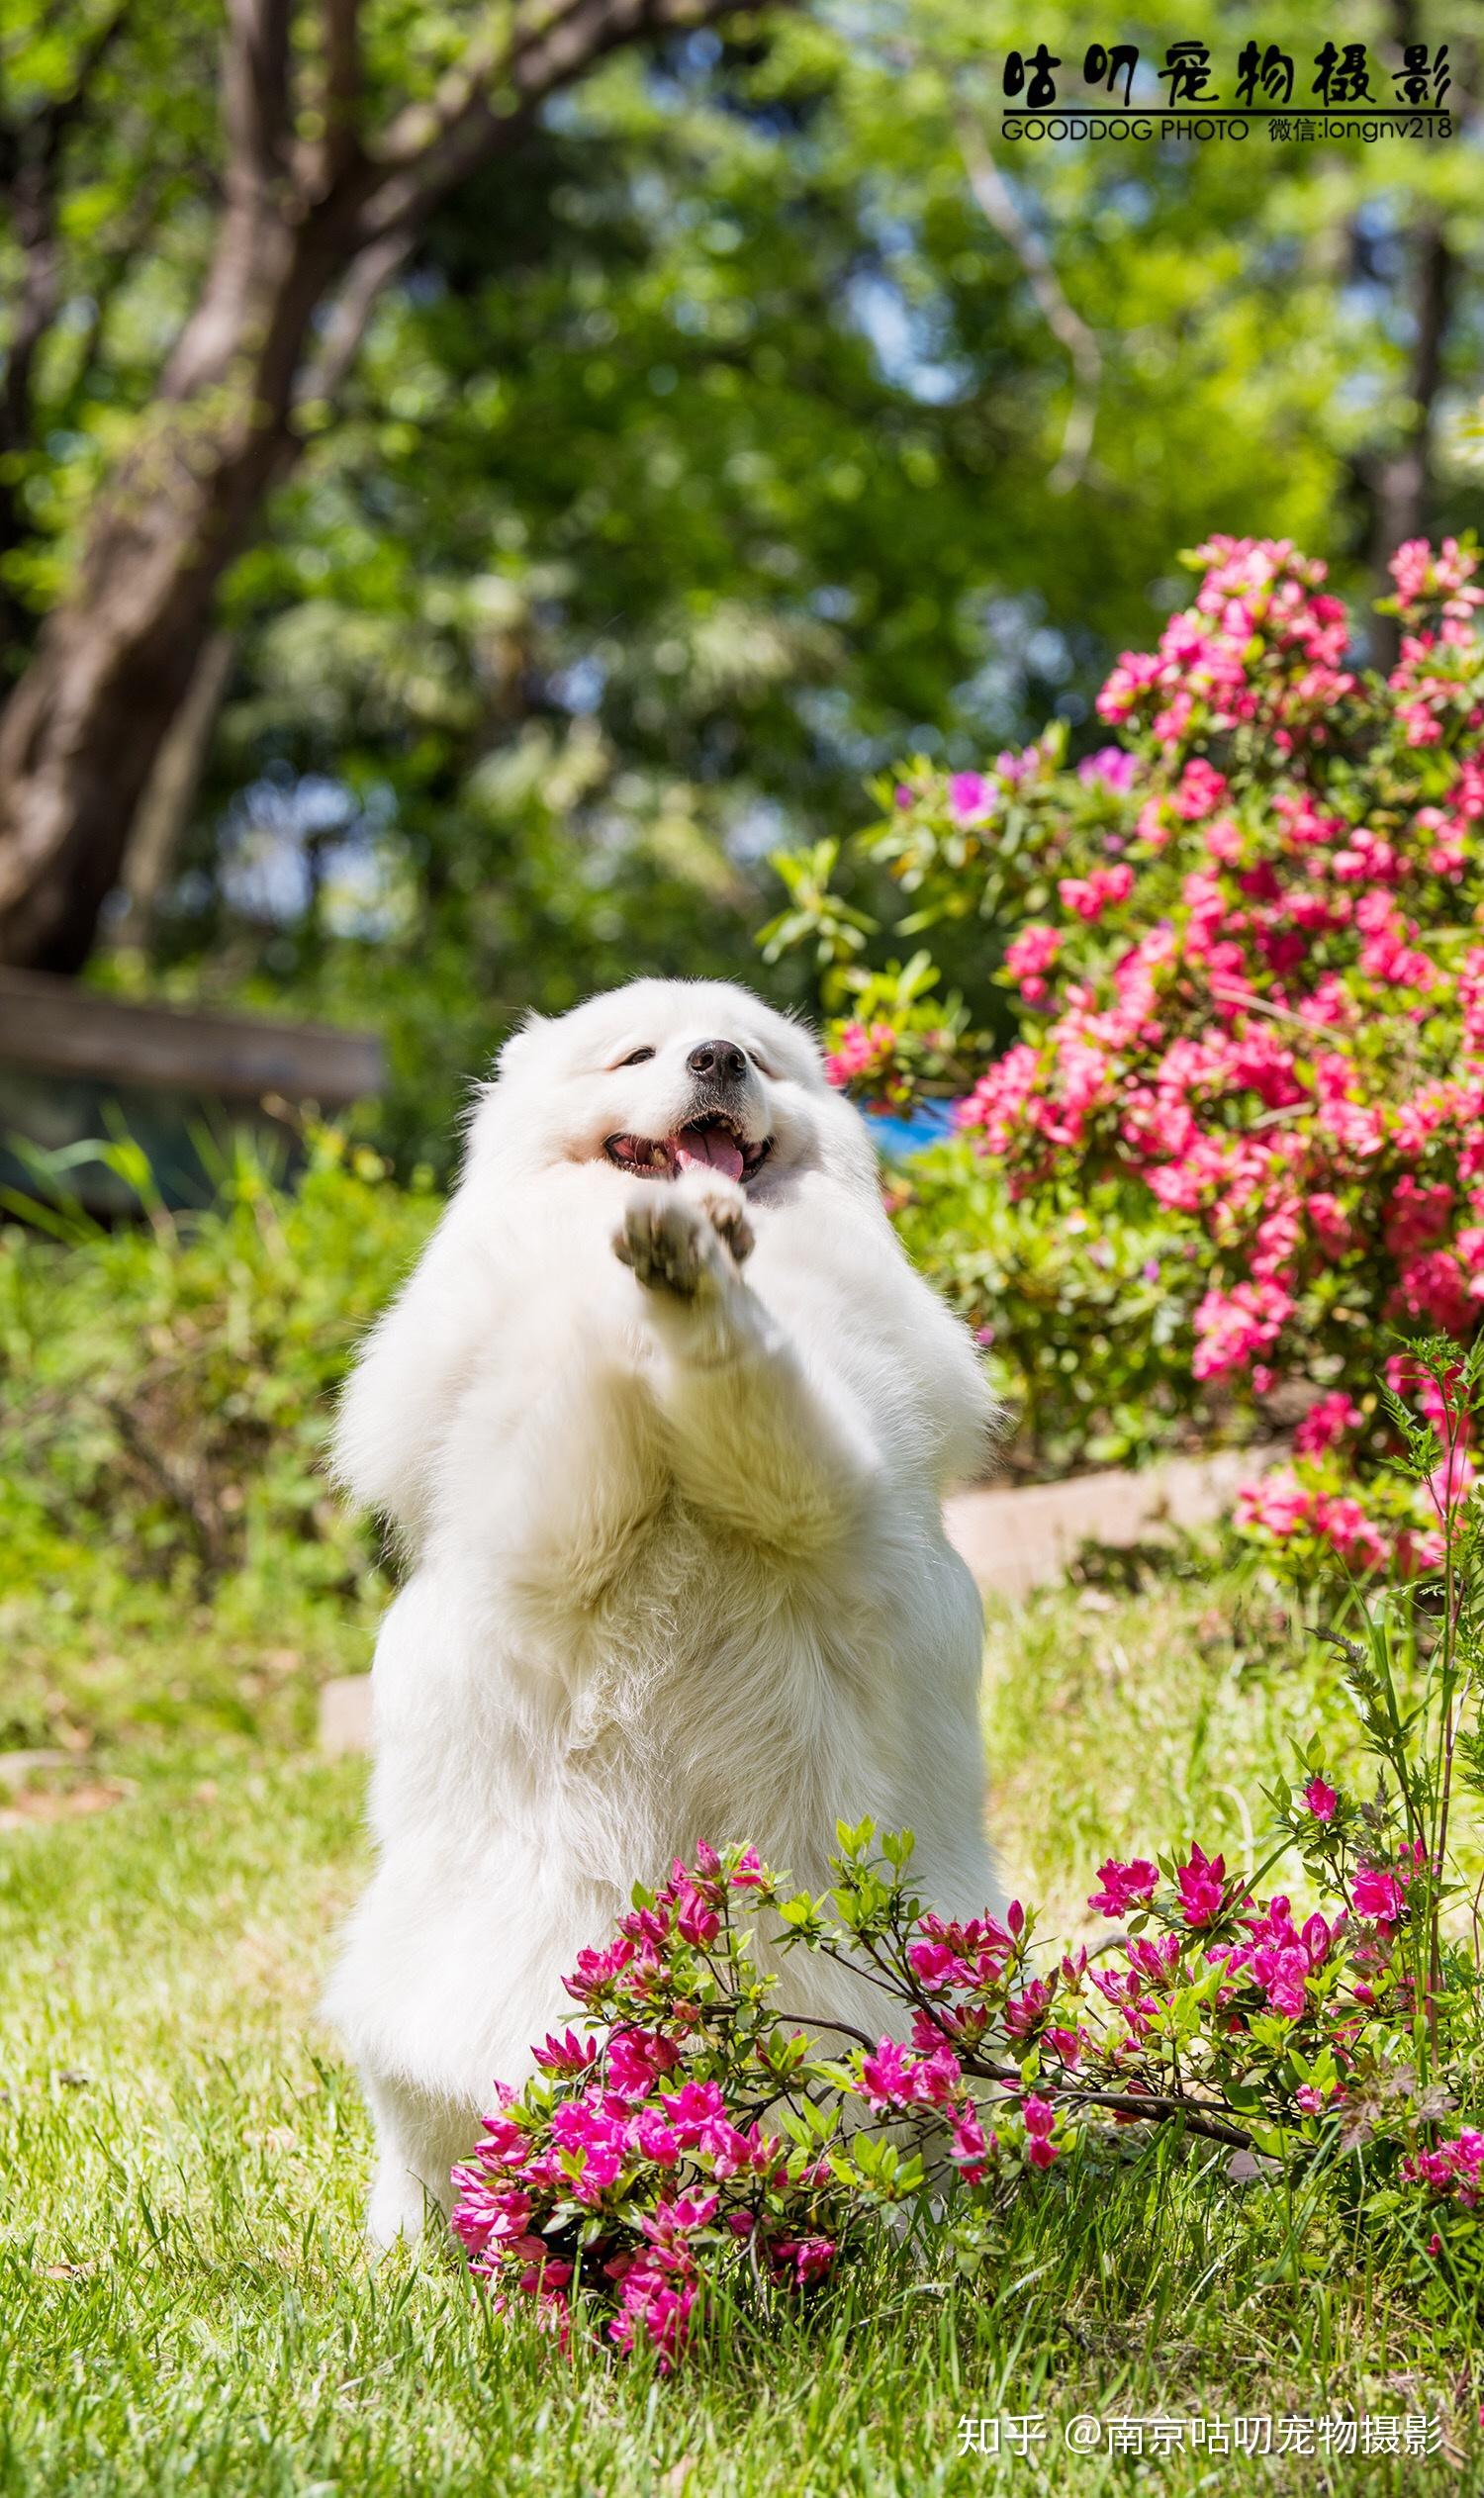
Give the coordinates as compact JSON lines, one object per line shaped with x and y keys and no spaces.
{"x":664,"y":1419}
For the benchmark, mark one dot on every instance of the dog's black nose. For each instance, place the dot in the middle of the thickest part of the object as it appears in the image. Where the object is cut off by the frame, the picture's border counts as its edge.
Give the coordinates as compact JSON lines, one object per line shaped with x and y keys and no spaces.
{"x":721,"y":1060}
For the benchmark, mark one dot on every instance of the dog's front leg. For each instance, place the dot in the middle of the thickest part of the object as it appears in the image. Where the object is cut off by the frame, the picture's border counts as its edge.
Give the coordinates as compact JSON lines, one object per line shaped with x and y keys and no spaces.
{"x":585,"y":1479}
{"x":754,"y":1439}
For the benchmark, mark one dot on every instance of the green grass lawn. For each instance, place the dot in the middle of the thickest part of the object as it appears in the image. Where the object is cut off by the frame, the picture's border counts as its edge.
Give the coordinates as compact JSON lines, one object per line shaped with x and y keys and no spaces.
{"x":183,"y":2301}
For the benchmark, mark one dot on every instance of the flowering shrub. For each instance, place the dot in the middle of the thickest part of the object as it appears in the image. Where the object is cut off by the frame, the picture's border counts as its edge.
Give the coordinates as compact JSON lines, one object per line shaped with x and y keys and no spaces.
{"x":1249,"y":973}
{"x":695,"y":2138}
{"x":1082,"y":1297}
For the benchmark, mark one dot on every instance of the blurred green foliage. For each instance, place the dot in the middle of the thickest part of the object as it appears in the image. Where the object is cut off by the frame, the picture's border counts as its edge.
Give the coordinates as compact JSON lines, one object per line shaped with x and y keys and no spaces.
{"x":706,"y":458}
{"x":169,"y":1530}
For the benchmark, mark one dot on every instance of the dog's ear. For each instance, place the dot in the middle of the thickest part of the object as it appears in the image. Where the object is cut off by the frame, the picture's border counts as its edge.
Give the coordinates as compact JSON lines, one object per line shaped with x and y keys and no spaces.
{"x":520,"y":1042}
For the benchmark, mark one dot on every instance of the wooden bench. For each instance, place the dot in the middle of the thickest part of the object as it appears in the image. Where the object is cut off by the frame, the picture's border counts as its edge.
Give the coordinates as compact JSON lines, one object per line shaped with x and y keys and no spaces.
{"x":76,"y":1065}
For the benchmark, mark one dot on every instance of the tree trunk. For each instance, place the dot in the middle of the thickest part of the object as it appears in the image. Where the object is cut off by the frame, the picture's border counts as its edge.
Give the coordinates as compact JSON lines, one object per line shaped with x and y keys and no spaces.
{"x":165,"y":808}
{"x":81,"y":730}
{"x":1402,"y":487}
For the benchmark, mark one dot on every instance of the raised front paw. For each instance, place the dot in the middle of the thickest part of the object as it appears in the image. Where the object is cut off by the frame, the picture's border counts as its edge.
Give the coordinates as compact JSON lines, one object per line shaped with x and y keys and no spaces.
{"x":665,"y":1241}
{"x":674,"y":1244}
{"x":725,"y":1207}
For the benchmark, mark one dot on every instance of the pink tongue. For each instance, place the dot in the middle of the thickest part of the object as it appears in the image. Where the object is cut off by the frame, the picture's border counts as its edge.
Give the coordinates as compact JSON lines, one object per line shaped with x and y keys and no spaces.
{"x":708,"y":1149}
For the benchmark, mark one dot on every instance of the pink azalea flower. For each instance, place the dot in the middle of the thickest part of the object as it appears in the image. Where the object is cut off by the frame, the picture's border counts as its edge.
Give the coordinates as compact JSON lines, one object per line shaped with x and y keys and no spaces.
{"x":1328,"y":1420}
{"x":971,"y":2145}
{"x":568,"y":2054}
{"x":971,"y":797}
{"x":887,"y":2074}
{"x":1417,"y":1216}
{"x":1039,"y":2119}
{"x":1111,"y":766}
{"x":1201,"y":1883}
{"x":1030,"y":957}
{"x":1355,"y":1538}
{"x":810,"y":2260}
{"x":636,"y":2059}
{"x":1278,"y":1502}
{"x":597,"y":1970}
{"x":1090,"y":896}
{"x":656,"y":2140}
{"x":1124,"y":1887}
{"x":656,"y":2306}
{"x":695,"y":1917}
{"x":934,"y":1964}
{"x":1320,"y":1798}
{"x":1024,"y":2013}
{"x":1378,"y":1895}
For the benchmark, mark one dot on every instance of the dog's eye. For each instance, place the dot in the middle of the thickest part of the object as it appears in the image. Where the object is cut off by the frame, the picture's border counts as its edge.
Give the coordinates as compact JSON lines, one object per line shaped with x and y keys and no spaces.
{"x":636,"y":1058}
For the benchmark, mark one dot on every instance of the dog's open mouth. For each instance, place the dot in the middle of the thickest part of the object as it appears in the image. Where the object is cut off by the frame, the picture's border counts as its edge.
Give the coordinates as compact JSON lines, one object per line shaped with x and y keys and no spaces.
{"x":711,"y":1144}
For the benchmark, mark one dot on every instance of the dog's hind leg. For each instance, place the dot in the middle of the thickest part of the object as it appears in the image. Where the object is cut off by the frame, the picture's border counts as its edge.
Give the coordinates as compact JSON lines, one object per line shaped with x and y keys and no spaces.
{"x":417,"y":2145}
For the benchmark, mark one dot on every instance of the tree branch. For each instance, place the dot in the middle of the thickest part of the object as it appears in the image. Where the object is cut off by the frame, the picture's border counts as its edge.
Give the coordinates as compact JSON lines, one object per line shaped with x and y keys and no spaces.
{"x":1401,"y":482}
{"x":30,"y":156}
{"x":340,"y":338}
{"x":343,"y":84}
{"x":67,"y":109}
{"x":255,"y":92}
{"x":995,"y":202}
{"x":117,"y":265}
{"x":429,"y":147}
{"x":33,"y":203}
{"x":164,"y":807}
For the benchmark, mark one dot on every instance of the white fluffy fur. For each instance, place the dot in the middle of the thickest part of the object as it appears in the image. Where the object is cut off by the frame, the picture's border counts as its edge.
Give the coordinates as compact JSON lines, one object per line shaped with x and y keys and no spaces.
{"x":678,"y":1560}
